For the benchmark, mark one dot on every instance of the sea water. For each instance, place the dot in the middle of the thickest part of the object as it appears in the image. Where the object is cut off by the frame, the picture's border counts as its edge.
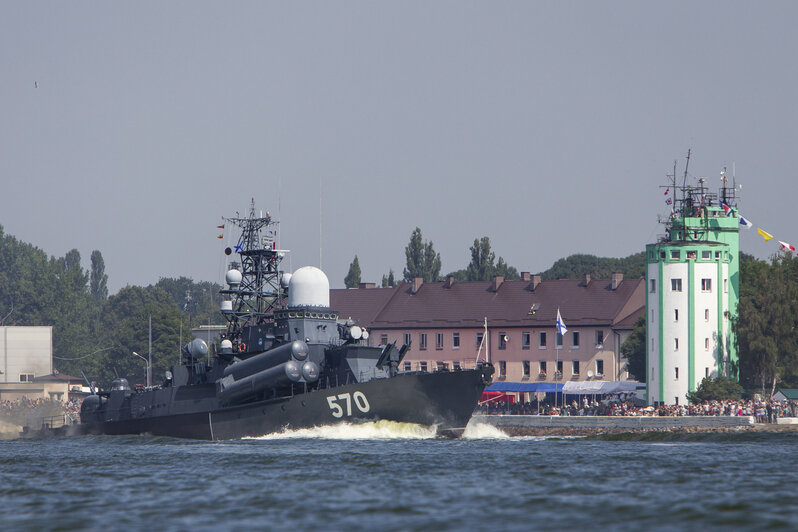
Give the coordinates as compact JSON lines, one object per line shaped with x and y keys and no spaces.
{"x":391,"y":476}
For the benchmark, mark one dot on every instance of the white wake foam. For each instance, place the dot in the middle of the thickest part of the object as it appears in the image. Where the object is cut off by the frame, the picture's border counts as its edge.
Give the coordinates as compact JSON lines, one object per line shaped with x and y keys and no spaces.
{"x":378,"y":430}
{"x":483,"y":431}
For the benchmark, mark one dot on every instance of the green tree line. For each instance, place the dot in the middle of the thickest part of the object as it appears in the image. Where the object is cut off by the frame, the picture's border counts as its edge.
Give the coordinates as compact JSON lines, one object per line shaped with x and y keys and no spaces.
{"x":92,"y":332}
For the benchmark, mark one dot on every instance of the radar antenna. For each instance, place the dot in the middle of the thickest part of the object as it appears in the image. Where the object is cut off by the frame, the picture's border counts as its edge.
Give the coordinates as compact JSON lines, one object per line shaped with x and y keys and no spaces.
{"x":259,"y":290}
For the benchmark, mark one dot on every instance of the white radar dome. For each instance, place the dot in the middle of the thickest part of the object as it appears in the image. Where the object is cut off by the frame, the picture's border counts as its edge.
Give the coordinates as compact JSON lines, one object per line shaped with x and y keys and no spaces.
{"x":285,"y":279}
{"x":309,"y":287}
{"x":233,"y":277}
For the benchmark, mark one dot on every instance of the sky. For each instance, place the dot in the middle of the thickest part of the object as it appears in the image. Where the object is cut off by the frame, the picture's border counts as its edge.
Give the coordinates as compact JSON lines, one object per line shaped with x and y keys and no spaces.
{"x":134,"y":127}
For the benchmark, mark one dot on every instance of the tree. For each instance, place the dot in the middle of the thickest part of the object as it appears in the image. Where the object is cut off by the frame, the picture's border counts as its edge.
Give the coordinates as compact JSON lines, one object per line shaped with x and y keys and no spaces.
{"x":422,"y":261}
{"x":388,"y":280}
{"x":718,"y":389}
{"x":98,"y":280}
{"x":483,"y":260}
{"x":352,"y":279}
{"x":634,"y":350}
{"x":576,"y":266}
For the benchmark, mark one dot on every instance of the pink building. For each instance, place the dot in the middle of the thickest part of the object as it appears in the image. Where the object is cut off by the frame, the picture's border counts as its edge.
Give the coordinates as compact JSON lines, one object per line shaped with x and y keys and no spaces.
{"x":445,"y":323}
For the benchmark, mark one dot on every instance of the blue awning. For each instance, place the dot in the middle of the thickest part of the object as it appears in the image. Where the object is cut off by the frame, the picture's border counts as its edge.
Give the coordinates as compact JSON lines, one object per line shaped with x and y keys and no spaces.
{"x":527,"y":387}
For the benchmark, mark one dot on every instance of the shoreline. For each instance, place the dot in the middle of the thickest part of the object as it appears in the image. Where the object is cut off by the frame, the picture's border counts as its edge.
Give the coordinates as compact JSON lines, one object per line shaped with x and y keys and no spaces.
{"x":521,"y":425}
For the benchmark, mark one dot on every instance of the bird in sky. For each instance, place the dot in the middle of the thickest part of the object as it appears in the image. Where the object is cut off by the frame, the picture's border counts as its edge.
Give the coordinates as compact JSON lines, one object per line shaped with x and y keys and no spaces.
{"x":35,"y":84}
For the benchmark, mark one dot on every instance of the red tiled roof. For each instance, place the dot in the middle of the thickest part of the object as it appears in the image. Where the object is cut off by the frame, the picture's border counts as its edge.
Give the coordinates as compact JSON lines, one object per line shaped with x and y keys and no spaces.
{"x":467,"y":304}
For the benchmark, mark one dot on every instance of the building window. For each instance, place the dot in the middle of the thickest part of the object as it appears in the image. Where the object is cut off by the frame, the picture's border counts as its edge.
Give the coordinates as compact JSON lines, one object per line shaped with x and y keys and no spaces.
{"x":706,"y":255}
{"x":479,"y":339}
{"x":542,"y":368}
{"x":676,"y":400}
{"x":456,"y":365}
{"x":662,"y":255}
{"x":542,"y":340}
{"x":575,"y":367}
{"x":559,"y":367}
{"x":408,"y":338}
{"x":422,"y":366}
{"x":676,"y":285}
{"x":502,"y":369}
{"x":653,"y":286}
{"x":691,"y":255}
{"x":407,"y":366}
{"x":706,"y":372}
{"x":575,"y":339}
{"x":599,"y":368}
{"x":455,"y":340}
{"x":706,"y":285}
{"x":676,"y":314}
{"x":557,"y":341}
{"x":599,"y":338}
{"x":26,"y":377}
{"x":526,"y":340}
{"x":383,"y":339}
{"x":675,"y":344}
{"x":725,"y":286}
{"x":526,"y":367}
{"x":676,"y":373}
{"x":443,"y":366}
{"x":706,"y":344}
{"x":503,"y":340}
{"x":706,"y":314}
{"x":422,"y":341}
{"x":438,"y":340}
{"x":676,"y":254}
{"x":717,"y":254}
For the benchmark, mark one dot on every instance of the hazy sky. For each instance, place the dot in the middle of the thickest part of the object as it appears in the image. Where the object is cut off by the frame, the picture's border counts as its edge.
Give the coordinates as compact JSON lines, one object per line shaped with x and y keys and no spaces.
{"x":547,"y":126}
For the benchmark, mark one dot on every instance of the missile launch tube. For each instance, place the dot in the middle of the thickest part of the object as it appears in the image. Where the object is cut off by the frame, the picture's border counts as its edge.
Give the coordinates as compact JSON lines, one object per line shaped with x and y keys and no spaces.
{"x":233,"y":392}
{"x":296,"y":350}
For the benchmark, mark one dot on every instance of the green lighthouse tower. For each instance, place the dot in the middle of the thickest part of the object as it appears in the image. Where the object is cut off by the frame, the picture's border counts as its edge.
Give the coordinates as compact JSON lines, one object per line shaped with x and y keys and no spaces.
{"x":692,"y":290}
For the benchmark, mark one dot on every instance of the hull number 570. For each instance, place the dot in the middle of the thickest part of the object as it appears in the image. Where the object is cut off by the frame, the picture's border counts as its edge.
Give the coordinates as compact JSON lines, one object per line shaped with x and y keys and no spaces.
{"x":346,"y":400}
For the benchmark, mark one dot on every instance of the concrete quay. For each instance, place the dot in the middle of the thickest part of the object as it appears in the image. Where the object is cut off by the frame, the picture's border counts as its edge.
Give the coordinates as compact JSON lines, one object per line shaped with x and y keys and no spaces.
{"x":522,"y":425}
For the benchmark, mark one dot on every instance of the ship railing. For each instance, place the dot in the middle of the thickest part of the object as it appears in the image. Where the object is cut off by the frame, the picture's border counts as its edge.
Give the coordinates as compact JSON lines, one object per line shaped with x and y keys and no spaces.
{"x":57,"y":421}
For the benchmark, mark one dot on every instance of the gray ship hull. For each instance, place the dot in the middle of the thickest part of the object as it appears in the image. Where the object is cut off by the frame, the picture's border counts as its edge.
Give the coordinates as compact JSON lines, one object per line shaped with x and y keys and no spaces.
{"x":444,"y":399}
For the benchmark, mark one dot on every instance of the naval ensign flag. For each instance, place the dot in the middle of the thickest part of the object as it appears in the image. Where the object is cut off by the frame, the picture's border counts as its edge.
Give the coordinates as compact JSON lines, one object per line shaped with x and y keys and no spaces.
{"x":560,"y":324}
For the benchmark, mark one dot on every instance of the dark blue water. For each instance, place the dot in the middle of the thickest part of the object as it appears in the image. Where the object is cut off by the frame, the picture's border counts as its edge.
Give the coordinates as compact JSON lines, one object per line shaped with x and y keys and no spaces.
{"x":401,"y":479}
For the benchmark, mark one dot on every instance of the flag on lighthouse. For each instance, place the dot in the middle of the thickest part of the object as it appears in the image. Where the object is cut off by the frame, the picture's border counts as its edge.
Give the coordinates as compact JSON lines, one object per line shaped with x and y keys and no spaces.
{"x":560,"y":324}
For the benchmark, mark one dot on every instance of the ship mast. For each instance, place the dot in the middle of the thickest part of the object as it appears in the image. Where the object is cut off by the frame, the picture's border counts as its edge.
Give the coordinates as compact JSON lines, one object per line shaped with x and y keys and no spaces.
{"x":259,"y":290}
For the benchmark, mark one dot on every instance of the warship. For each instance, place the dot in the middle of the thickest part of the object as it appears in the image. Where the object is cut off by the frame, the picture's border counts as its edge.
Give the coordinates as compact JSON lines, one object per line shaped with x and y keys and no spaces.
{"x":286,"y":360}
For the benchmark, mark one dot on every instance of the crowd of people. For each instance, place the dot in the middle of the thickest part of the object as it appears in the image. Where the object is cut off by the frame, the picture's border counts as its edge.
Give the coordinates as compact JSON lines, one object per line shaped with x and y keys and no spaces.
{"x":764,"y":410}
{"x":25,"y":411}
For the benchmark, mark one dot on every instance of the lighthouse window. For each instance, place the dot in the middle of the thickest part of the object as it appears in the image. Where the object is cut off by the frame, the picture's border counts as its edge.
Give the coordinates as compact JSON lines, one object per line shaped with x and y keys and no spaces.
{"x":717,"y":254}
{"x":706,"y":285}
{"x":675,"y":254}
{"x":706,"y":314}
{"x":706,"y":344}
{"x":706,"y":254}
{"x":676,"y":285}
{"x":675,"y":344}
{"x":653,"y":286}
{"x":662,"y":255}
{"x":676,"y":314}
{"x":677,"y":373}
{"x":725,"y":286}
{"x":422,"y":341}
{"x":691,"y":255}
